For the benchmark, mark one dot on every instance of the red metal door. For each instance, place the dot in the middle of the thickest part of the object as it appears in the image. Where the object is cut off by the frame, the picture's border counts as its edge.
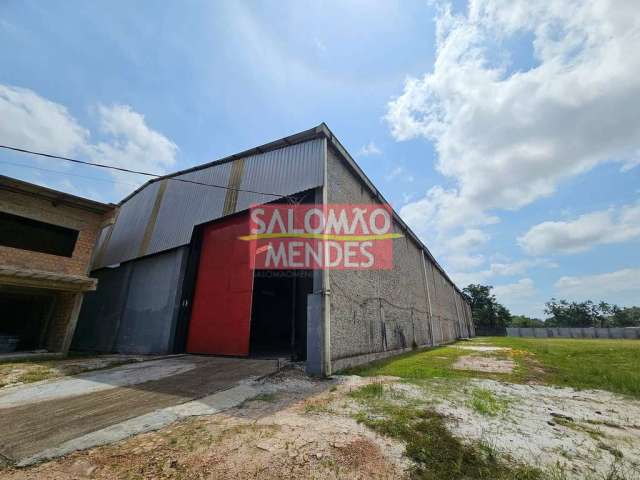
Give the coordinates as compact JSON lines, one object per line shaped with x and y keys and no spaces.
{"x":221,"y":313}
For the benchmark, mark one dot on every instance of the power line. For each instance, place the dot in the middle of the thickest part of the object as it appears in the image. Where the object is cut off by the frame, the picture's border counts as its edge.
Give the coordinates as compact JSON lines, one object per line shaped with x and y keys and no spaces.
{"x":137,"y":172}
{"x":67,"y":173}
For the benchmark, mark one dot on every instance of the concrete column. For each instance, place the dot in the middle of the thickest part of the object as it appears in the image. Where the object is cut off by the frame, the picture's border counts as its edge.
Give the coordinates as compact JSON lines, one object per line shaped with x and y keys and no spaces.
{"x":71,"y":322}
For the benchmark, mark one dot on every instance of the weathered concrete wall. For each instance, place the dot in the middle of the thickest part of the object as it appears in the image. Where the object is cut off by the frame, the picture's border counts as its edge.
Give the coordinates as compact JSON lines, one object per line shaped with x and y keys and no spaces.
{"x":377,"y":313}
{"x":542,"y":332}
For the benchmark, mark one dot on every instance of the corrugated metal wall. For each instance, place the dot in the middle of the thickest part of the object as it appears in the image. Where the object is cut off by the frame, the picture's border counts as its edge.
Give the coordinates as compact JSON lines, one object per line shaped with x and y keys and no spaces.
{"x":183,"y":205}
{"x":135,"y":310}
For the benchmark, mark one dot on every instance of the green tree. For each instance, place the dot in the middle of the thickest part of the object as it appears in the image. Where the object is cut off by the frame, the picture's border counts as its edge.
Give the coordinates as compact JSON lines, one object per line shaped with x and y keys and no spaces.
{"x":583,"y":314}
{"x":524,"y":321}
{"x":487,"y":313}
{"x":626,"y":317}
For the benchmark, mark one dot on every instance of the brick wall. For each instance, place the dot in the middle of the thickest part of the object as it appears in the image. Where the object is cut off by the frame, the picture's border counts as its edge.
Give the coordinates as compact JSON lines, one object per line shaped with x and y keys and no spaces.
{"x":87,"y":223}
{"x":59,"y":323}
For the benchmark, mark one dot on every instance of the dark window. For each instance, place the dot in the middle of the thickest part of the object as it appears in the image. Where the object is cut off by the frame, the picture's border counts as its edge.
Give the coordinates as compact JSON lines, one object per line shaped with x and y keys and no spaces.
{"x":27,"y":234}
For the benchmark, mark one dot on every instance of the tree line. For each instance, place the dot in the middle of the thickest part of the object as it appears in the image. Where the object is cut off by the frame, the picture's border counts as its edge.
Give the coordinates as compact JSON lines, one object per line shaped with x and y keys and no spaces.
{"x":491,"y":316}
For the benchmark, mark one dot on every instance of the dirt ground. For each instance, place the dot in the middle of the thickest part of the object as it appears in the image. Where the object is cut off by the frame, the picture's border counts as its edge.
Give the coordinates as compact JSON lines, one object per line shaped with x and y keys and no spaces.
{"x":289,"y":433}
{"x":484,"y":364}
{"x":306,"y":428}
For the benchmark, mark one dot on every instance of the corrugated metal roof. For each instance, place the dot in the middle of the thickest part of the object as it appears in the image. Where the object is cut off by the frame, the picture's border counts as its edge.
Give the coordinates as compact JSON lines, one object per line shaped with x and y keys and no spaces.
{"x":284,"y":171}
{"x":288,"y":170}
{"x":186,"y":204}
{"x":129,"y":228}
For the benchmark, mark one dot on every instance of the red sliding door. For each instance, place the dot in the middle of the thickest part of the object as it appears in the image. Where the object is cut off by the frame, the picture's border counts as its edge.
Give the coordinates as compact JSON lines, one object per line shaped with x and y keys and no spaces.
{"x":221,"y":314}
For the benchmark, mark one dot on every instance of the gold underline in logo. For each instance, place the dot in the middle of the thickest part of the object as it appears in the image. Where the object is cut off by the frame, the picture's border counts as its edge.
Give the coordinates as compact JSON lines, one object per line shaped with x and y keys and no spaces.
{"x":322,"y":236}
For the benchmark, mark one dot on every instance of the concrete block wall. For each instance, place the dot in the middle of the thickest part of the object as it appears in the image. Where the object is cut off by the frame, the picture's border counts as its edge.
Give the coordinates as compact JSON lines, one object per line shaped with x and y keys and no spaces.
{"x":377,"y":313}
{"x":87,"y":223}
{"x":563,"y":332}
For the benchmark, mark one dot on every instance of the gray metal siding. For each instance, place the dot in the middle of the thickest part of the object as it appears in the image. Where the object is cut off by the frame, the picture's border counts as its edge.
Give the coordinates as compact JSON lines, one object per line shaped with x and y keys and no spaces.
{"x":149,"y":318}
{"x":129,"y":228}
{"x":135,"y":308}
{"x":99,"y":319}
{"x":289,"y":170}
{"x":284,"y":171}
{"x":186,"y":204}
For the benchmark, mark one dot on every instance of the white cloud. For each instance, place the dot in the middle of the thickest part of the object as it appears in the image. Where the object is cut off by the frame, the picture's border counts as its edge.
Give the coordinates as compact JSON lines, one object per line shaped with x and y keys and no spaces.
{"x":510,"y":137}
{"x":502,"y":269}
{"x":458,"y":249}
{"x":523,"y":288}
{"x":399,"y":173}
{"x":469,"y":239}
{"x":320,"y":46}
{"x":621,"y":286}
{"x":132,"y":144}
{"x":368,"y":150}
{"x":464,"y":262}
{"x":583,"y":233}
{"x":33,"y":122}
{"x":521,"y":298}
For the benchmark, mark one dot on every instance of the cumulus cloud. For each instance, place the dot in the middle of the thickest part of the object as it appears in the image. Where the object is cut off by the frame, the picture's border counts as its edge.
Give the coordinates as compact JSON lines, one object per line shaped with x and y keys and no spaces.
{"x":469,"y":239}
{"x":521,"y":298}
{"x":368,"y":150}
{"x":399,"y":173}
{"x":583,"y":233}
{"x":132,"y":143}
{"x":464,"y":262}
{"x":502,"y":269}
{"x":621,"y":286}
{"x":510,"y":292}
{"x":509,"y":137}
{"x":36,"y":123}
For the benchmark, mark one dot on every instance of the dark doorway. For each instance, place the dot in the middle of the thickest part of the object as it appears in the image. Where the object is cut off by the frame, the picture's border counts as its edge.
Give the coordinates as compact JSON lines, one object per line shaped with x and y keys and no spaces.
{"x":25,"y":315}
{"x":279,"y":313}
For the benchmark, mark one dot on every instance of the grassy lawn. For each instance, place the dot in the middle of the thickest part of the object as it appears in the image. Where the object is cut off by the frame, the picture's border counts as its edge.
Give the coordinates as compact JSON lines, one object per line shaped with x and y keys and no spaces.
{"x":612,"y":365}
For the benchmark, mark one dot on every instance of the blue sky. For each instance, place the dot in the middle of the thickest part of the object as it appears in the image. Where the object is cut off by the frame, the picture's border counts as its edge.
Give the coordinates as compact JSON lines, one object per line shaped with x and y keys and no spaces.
{"x":509,"y":142}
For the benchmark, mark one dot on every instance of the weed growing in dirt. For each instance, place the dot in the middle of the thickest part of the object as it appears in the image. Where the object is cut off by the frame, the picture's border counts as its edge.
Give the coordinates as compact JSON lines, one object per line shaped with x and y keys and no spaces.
{"x":437,"y":363}
{"x":265,"y":397}
{"x":485,"y":402}
{"x":436,"y":453}
{"x":369,"y":391}
{"x":317,"y":405}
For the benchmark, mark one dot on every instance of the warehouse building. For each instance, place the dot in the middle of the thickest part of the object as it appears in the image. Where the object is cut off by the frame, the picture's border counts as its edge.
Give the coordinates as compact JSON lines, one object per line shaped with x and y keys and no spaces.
{"x":173,"y":279}
{"x":46,"y":245}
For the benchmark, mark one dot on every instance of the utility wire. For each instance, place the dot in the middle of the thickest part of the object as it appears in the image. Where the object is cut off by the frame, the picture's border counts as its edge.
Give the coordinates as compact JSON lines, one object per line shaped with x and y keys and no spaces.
{"x":137,"y":172}
{"x":67,"y":173}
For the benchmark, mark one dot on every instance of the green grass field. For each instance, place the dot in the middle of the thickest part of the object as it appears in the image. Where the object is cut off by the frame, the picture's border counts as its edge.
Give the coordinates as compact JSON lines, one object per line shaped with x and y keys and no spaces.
{"x":612,"y":365}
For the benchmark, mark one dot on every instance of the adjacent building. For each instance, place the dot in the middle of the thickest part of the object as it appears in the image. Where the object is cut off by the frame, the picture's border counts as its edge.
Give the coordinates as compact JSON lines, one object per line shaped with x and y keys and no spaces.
{"x":171,"y":280}
{"x":46,"y":247}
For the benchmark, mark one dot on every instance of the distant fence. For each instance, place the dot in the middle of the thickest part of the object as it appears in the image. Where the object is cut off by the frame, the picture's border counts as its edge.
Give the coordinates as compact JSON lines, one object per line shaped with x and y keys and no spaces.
{"x":490,"y":331}
{"x":541,"y":332}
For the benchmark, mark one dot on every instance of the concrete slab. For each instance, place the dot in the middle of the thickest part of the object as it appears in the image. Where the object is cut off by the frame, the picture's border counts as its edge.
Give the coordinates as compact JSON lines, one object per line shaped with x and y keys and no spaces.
{"x":89,"y":382}
{"x":34,"y":430}
{"x":156,"y":420}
